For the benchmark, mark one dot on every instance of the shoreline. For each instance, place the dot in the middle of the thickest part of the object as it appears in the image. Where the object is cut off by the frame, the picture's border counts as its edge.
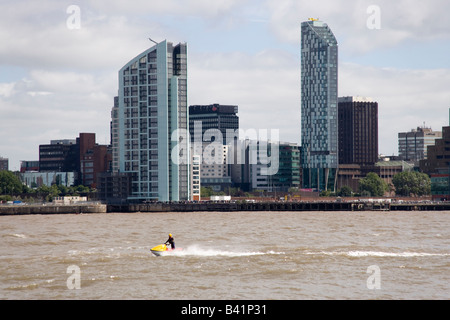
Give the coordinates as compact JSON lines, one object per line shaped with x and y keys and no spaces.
{"x":222,"y":207}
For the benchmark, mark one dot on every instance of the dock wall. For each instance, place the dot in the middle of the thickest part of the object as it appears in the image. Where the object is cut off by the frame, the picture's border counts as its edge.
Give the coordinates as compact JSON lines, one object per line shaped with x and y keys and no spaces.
{"x":220,"y":207}
{"x":277,"y":206}
{"x":52,"y":209}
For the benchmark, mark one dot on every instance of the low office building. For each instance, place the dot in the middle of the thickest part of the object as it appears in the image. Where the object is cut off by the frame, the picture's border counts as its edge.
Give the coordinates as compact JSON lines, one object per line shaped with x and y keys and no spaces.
{"x":350,"y":174}
{"x":4,"y":163}
{"x":82,"y":156}
{"x":284,"y":167}
{"x":39,"y":179}
{"x":437,"y":165}
{"x":114,"y":187}
{"x":413,"y":145}
{"x":438,"y":157}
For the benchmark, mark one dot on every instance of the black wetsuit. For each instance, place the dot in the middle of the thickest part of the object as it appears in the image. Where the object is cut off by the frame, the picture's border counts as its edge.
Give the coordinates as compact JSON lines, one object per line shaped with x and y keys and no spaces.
{"x":171,"y":241}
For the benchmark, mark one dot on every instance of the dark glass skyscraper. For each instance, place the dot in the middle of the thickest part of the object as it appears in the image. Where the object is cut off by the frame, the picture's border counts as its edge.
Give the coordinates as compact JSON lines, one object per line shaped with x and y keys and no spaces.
{"x":319,"y":103}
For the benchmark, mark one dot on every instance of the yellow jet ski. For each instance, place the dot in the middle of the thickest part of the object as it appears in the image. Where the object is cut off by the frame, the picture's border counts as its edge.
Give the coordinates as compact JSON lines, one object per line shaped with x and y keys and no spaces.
{"x":162,"y":249}
{"x":158,"y":250}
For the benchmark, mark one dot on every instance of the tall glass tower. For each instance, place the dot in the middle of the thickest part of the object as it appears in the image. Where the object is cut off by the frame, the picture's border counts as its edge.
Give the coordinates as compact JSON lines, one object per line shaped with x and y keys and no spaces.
{"x":151,"y":106}
{"x":319,"y":105}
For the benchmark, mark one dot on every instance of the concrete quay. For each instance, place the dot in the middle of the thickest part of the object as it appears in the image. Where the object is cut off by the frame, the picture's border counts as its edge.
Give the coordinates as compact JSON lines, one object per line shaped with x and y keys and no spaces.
{"x":278,"y":206}
{"x":222,"y":207}
{"x":52,"y":209}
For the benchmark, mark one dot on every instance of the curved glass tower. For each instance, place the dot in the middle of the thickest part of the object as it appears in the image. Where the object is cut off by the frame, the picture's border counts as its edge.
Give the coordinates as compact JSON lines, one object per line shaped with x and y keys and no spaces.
{"x":319,"y":103}
{"x":151,"y":106}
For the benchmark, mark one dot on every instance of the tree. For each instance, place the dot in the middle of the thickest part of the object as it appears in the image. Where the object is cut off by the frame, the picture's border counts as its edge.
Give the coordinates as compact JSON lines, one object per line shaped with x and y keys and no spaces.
{"x":412,"y":183}
{"x":372,"y":184}
{"x":10,"y":183}
{"x":206,"y":192}
{"x":345,"y":191}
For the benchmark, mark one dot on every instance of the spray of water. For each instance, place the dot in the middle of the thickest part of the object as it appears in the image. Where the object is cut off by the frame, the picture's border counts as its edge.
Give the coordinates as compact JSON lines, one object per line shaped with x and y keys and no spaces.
{"x":196,"y":250}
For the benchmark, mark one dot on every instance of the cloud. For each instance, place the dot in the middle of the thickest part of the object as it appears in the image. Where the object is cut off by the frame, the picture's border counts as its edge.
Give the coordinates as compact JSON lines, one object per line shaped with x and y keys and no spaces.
{"x":399,"y":21}
{"x":266,"y":86}
{"x":407,"y":98}
{"x":50,"y":105}
{"x":70,"y":76}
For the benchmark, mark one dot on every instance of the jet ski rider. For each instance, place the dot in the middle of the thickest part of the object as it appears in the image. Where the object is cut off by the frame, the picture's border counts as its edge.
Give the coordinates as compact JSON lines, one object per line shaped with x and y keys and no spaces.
{"x":171,"y":241}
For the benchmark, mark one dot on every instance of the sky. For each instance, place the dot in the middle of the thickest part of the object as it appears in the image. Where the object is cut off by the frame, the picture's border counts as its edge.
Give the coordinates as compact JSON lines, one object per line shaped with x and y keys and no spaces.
{"x":59,"y":62}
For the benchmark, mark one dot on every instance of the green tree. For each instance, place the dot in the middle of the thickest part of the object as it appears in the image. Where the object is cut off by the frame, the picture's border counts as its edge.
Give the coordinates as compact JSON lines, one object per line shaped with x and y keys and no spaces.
{"x":372,"y":184}
{"x":10,"y":183}
{"x":412,"y":183}
{"x":206,"y":192}
{"x":345,"y":191}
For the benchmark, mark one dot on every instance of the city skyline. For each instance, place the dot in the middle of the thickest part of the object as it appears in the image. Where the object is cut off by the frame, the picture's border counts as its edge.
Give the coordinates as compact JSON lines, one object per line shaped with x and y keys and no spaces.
{"x":58,"y":70}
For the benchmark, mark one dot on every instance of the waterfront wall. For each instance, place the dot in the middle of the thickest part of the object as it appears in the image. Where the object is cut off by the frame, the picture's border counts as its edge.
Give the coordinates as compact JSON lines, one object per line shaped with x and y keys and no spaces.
{"x":230,"y":207}
{"x":278,"y":206}
{"x":52,"y":209}
{"x":221,"y":207}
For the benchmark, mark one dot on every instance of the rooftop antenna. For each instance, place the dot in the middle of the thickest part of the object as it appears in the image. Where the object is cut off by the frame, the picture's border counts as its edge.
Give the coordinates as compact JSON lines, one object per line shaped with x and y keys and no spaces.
{"x":153,"y":41}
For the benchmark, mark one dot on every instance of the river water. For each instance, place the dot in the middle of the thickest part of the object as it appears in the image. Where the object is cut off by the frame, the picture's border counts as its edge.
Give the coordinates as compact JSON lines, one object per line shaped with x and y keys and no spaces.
{"x":236,"y":255}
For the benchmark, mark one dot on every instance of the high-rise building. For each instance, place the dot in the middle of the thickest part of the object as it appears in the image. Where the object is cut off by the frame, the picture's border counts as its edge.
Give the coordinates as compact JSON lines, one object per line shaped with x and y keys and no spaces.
{"x":413,"y":145}
{"x":152,"y":112}
{"x":214,"y":116}
{"x":319,"y":105}
{"x":358,"y":131}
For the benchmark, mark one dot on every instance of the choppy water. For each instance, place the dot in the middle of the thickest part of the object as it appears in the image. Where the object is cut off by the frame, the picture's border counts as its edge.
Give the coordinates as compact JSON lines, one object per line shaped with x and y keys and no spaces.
{"x":242,"y":255}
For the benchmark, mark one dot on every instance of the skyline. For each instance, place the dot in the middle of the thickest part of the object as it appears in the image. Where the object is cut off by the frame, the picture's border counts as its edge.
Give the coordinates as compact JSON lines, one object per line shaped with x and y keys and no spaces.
{"x":56,"y":82}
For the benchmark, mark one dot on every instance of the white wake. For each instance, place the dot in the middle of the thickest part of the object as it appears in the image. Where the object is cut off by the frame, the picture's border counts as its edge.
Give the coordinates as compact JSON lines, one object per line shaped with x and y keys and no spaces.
{"x":362,"y":253}
{"x":195,"y":250}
